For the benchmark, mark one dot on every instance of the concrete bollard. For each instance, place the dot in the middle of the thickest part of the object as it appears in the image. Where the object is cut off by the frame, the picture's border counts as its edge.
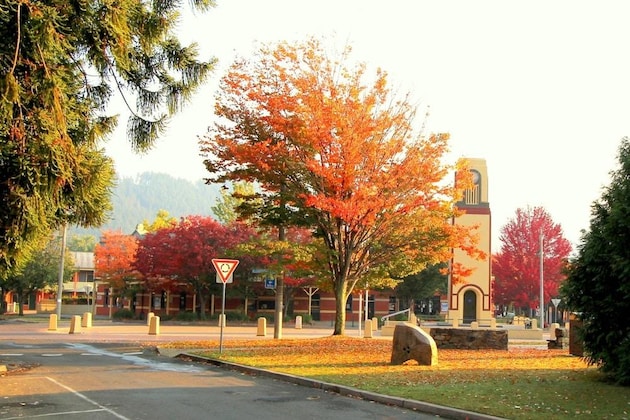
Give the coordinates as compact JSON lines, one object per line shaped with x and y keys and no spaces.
{"x":149,"y":316}
{"x":474,"y":325}
{"x":221,"y":320}
{"x":298,"y":322}
{"x":534,"y":324}
{"x":262,"y":327}
{"x":368,"y":329}
{"x":52,"y":322}
{"x":75,"y":324}
{"x":86,"y":320}
{"x":552,"y":330}
{"x":375,"y":324}
{"x":154,"y":325}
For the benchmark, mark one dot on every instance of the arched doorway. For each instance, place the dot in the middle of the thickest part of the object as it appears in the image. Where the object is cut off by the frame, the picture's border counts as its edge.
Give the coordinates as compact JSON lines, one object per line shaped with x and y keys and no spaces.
{"x":470,"y":306}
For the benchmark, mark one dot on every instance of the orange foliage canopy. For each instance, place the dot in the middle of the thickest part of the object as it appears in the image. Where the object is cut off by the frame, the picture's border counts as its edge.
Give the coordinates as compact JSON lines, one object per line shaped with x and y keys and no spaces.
{"x":114,"y":258}
{"x":314,"y":133}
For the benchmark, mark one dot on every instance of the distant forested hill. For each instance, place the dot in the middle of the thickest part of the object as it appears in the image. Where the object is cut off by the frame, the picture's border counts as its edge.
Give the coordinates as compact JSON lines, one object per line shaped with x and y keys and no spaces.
{"x":138,"y":199}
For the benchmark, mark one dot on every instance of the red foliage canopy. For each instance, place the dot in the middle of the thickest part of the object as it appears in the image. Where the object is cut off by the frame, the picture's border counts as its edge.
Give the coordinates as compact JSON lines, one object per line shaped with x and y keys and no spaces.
{"x":184,"y":252}
{"x":516,"y":267}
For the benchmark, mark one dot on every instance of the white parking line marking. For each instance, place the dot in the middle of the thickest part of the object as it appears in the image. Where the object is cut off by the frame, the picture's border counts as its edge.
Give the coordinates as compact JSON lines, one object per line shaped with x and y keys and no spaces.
{"x":78,"y":394}
{"x":55,"y":414}
{"x":52,"y":354}
{"x":11,"y":354}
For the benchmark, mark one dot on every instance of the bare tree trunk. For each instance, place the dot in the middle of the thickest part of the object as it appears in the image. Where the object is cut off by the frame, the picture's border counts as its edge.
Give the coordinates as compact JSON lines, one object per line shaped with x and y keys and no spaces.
{"x":340,"y":313}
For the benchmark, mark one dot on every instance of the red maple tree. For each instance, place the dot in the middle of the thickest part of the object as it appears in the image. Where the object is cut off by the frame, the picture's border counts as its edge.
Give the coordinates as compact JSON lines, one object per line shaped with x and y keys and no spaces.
{"x":183,"y":253}
{"x":516,"y":268}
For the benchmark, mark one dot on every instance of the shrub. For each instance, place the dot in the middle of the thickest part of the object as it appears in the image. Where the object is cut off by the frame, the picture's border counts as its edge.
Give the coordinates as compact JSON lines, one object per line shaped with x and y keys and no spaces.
{"x":187,"y":316}
{"x":123,"y":314}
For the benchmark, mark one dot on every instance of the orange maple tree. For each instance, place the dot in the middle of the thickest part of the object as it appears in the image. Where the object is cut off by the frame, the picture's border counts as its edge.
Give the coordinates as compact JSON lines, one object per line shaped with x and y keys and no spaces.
{"x":114,"y":258}
{"x":335,"y":147}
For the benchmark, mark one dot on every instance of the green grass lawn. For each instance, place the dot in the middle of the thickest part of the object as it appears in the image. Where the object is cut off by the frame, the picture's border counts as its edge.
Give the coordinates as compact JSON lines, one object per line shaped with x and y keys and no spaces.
{"x":514,"y":384}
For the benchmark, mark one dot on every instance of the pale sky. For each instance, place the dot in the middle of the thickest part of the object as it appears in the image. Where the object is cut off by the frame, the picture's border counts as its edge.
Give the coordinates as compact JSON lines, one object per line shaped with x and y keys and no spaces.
{"x":540,"y":89}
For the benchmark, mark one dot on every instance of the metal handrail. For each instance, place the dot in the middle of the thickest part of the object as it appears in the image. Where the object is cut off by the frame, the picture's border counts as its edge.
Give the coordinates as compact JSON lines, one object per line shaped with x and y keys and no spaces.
{"x":384,"y":318}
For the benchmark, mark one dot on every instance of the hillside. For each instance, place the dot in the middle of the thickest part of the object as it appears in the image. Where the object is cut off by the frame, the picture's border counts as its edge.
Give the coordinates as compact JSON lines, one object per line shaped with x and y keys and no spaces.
{"x":138,"y":199}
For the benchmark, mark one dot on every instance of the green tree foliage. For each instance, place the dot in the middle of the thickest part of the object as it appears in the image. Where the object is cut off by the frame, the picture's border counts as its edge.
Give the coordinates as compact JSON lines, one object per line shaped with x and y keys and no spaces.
{"x":82,"y":243}
{"x":597,"y":285}
{"x":60,"y":63}
{"x":226,"y":207}
{"x":422,"y":285}
{"x":40,"y":271}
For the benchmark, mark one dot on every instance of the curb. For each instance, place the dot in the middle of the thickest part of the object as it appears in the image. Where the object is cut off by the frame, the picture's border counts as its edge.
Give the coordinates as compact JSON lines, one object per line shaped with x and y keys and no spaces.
{"x":415,"y":405}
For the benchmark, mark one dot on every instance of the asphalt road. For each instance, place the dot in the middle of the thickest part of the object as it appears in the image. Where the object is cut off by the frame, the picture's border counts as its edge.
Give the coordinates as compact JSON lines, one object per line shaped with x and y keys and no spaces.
{"x":107,"y":371}
{"x":97,"y":376}
{"x":122,"y":381}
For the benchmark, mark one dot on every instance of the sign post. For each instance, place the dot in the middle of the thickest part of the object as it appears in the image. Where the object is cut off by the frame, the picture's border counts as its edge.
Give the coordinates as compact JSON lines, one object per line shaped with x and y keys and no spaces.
{"x":556,"y":302}
{"x":225,"y":269}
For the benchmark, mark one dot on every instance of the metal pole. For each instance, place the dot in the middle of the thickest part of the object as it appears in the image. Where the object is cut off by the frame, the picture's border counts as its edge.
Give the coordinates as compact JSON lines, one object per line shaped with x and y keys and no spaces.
{"x":221,"y":321}
{"x":542,"y":290}
{"x":60,"y":278}
{"x":360,"y":306}
{"x":367,"y":298}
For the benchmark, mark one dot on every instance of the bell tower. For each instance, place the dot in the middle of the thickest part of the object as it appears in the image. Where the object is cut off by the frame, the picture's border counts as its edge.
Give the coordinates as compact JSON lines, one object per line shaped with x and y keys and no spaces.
{"x":470,"y":299}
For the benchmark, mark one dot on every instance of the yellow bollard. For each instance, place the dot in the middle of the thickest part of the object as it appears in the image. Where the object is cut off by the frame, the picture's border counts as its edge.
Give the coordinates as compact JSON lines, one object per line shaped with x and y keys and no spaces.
{"x":298,"y":322}
{"x":86,"y":321}
{"x":262,"y":327}
{"x":149,"y":316}
{"x":375,"y":324}
{"x":75,"y":324}
{"x":52,"y":322}
{"x":154,"y":325}
{"x":368,"y":329}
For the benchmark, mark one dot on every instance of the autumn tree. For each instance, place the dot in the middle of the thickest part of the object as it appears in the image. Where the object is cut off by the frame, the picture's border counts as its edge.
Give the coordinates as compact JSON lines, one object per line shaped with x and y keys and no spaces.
{"x":184,"y":253}
{"x":597,"y":287}
{"x":516,"y":267}
{"x":290,"y":260}
{"x":226,"y":208}
{"x":114,"y":258}
{"x":162,"y":220}
{"x":60,"y":64}
{"x":333,"y":147}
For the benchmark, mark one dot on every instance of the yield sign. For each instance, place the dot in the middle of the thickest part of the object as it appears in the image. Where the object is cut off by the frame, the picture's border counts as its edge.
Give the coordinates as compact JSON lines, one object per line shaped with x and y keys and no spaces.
{"x":225,"y":268}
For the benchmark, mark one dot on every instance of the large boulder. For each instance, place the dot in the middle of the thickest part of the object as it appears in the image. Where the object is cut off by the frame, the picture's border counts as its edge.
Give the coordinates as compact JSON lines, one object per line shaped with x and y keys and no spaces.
{"x":412,"y":343}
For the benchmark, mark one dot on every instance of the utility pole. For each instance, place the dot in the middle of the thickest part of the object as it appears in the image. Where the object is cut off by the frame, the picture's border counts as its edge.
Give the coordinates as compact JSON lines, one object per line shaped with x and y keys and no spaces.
{"x":61,"y":262}
{"x":542,"y":289}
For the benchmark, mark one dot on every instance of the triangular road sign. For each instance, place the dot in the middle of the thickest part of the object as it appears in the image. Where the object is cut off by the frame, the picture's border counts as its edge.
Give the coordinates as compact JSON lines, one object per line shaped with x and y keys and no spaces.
{"x":225,"y":268}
